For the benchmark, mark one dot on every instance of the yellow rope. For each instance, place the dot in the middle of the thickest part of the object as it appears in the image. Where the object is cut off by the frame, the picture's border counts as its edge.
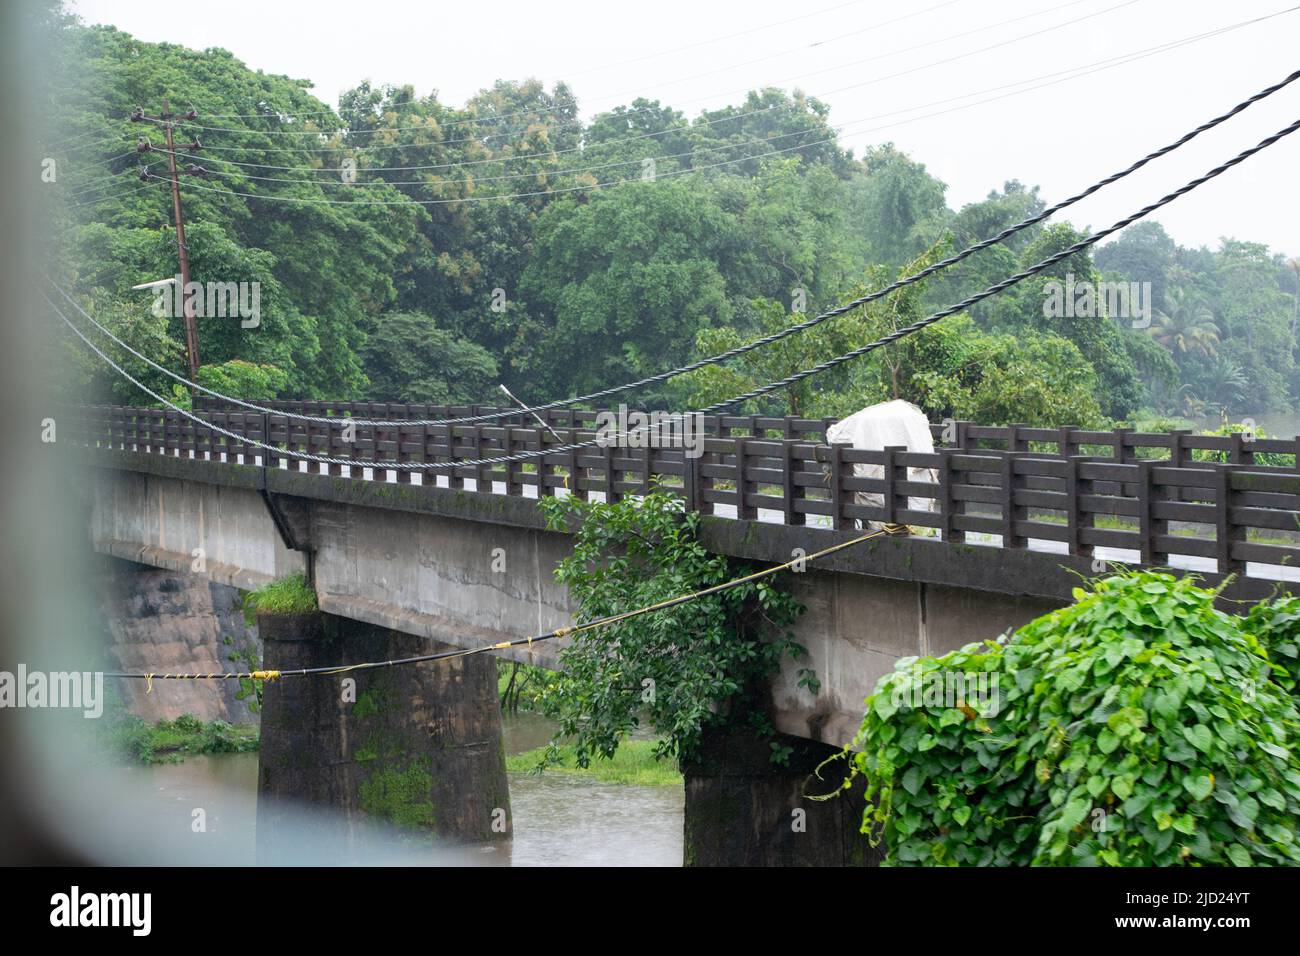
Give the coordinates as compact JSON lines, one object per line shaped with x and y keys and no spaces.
{"x":766,"y":572}
{"x":890,"y":529}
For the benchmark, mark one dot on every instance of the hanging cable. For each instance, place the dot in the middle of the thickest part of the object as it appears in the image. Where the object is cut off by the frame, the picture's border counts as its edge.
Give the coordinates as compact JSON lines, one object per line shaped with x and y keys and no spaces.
{"x":749,"y":346}
{"x":735,"y":400}
{"x":569,"y":631}
{"x":1078,"y":72}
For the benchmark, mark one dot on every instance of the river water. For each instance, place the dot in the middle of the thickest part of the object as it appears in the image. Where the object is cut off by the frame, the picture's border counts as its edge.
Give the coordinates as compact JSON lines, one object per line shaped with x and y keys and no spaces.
{"x":559,"y":819}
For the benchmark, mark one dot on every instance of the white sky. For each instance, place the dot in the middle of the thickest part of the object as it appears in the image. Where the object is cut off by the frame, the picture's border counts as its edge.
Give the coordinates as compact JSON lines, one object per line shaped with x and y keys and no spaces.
{"x":1061,"y":137}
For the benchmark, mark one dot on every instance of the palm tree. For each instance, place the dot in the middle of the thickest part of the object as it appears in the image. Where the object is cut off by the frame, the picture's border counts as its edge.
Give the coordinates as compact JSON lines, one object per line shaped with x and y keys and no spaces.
{"x":1186,"y":325}
{"x":1223,"y":380}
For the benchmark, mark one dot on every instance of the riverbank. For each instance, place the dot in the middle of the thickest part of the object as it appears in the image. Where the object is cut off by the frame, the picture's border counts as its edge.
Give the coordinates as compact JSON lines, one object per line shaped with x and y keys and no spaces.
{"x":633,"y":763}
{"x":170,"y":741}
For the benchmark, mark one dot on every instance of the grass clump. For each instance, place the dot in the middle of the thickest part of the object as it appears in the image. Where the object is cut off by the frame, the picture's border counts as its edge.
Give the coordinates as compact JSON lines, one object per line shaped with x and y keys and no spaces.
{"x":171,"y":741}
{"x":289,"y":595}
{"x":634,"y":762}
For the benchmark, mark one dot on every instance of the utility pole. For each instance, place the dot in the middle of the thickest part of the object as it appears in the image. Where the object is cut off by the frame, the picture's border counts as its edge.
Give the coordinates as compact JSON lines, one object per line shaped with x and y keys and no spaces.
{"x":165,"y":121}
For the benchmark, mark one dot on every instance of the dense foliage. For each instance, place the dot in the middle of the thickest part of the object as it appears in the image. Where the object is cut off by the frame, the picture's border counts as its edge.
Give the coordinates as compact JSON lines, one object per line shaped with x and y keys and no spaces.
{"x":508,"y":240}
{"x":1226,"y":317}
{"x":134,"y":739}
{"x":1139,"y":726}
{"x":682,"y":669}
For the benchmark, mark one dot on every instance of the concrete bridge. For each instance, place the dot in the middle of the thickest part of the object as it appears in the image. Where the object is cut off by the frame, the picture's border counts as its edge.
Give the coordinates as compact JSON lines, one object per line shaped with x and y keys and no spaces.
{"x":405,"y":561}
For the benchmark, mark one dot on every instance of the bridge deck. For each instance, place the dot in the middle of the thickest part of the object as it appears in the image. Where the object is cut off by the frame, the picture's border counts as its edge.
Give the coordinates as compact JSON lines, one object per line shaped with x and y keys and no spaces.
{"x":1220,"y":504}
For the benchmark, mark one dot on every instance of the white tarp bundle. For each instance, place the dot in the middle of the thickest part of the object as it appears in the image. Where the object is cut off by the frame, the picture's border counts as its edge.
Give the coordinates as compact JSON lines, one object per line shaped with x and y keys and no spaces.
{"x":897,"y":423}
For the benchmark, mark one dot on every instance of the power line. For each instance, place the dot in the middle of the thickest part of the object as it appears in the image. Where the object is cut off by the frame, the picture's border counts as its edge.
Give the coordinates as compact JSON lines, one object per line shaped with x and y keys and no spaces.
{"x":757,"y":343}
{"x":648,"y":56}
{"x":683,"y":129}
{"x":1005,"y":283}
{"x":1120,"y":60}
{"x":681,"y":79}
{"x":407,"y":201}
{"x":550,"y":153}
{"x":498,"y":119}
{"x":116,"y":196}
{"x":1079,"y":71}
{"x":872,"y":81}
{"x":115,"y":179}
{"x":717,"y":406}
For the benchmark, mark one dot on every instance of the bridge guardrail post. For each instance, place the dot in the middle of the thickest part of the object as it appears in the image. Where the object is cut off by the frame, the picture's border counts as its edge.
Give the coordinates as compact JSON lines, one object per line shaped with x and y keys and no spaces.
{"x":476,"y":451}
{"x":791,"y":492}
{"x":691,"y":482}
{"x":610,"y":494}
{"x":1146,"y":524}
{"x":647,"y":466}
{"x":889,"y":470}
{"x":949,"y":505}
{"x":1016,"y":443}
{"x":508,"y":449}
{"x":1121,"y":455}
{"x":962,"y":434}
{"x":1065,"y":442}
{"x":1011,"y":512}
{"x":266,"y":439}
{"x":572,"y":463}
{"x":1226,"y":533}
{"x":333,"y":448}
{"x":1178,"y":451}
{"x":515,"y":469}
{"x":1075,"y":516}
{"x":836,"y":457}
{"x":1237,"y":452}
{"x":743,"y":484}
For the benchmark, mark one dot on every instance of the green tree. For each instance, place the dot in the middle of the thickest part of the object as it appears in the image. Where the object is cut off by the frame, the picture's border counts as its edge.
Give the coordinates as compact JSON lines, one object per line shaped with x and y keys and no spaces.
{"x":1185,"y":326}
{"x":628,"y":279}
{"x":409,"y":359}
{"x":682,"y":669}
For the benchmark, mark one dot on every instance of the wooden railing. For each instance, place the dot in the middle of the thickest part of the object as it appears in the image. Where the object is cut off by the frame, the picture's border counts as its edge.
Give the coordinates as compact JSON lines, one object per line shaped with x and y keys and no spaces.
{"x":1208,"y":497}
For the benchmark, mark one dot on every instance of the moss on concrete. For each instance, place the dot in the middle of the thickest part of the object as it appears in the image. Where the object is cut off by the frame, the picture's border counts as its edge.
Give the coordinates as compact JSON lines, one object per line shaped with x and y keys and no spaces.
{"x":402,"y":797}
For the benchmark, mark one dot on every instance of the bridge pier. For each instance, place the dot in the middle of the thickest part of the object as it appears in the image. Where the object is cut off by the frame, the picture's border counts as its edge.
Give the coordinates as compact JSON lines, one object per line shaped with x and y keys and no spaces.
{"x":407,"y":755}
{"x":743,"y":810}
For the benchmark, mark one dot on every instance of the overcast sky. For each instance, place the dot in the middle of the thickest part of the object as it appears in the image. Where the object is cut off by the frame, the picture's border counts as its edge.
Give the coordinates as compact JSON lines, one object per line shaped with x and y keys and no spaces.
{"x":913,"y":72}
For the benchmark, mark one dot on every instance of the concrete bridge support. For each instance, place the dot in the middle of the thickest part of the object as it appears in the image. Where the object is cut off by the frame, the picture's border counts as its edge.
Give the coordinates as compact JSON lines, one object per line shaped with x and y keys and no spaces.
{"x":744,"y":810}
{"x":372,"y":758}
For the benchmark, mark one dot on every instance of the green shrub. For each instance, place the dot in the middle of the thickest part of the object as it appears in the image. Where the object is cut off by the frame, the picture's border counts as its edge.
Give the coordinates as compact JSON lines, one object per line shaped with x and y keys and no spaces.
{"x":289,"y":595}
{"x":1277,"y":625}
{"x":169,"y":741}
{"x":684,"y":668}
{"x":1271,"y":458}
{"x":1139,"y":726}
